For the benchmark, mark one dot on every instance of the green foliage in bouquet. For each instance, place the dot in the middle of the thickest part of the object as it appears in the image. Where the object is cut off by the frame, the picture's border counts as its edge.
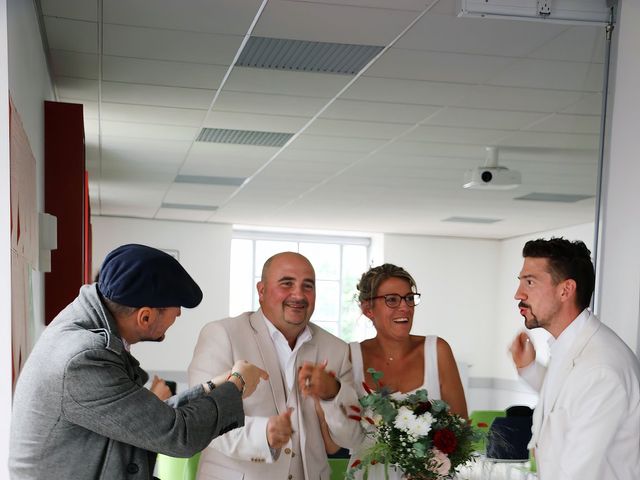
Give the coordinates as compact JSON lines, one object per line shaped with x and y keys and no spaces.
{"x":419,"y":435}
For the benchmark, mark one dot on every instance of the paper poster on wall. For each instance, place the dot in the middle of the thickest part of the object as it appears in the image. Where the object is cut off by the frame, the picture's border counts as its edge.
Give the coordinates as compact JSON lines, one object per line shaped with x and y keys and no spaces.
{"x":24,"y":241}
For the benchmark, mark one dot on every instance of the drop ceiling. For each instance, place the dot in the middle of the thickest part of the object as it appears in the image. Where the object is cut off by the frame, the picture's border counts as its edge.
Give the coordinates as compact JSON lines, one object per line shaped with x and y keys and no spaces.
{"x":381,"y":150}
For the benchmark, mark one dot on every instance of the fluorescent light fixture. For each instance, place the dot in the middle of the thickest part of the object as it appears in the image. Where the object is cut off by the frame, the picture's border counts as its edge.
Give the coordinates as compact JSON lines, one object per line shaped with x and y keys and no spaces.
{"x":553,"y":197}
{"x":594,"y":12}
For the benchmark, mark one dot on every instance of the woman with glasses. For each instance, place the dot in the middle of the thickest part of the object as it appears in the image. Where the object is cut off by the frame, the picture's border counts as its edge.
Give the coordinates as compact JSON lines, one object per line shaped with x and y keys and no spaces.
{"x":388,"y":297}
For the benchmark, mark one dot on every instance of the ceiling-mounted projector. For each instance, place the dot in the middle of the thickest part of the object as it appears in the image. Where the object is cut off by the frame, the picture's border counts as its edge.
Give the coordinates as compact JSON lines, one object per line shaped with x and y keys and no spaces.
{"x":492,"y":176}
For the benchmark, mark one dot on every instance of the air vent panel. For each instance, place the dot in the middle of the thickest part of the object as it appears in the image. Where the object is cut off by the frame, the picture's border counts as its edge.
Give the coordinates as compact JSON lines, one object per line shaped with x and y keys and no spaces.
{"x":305,"y":56}
{"x":243,"y":137}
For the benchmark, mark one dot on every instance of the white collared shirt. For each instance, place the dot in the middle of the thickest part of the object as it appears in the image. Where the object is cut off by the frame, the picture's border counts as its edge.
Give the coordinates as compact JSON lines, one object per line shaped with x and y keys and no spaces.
{"x":287,"y":356}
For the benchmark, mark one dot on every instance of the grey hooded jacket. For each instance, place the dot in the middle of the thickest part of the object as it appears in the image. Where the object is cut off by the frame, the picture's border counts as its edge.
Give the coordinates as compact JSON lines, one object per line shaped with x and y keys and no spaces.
{"x":80,"y":410}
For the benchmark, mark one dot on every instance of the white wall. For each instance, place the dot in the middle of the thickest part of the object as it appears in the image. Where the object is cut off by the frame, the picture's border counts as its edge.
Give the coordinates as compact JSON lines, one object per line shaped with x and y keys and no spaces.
{"x":5,"y":249}
{"x":204,"y":252}
{"x":456,"y":278}
{"x":24,"y":75}
{"x":619,"y":272}
{"x":30,"y":85}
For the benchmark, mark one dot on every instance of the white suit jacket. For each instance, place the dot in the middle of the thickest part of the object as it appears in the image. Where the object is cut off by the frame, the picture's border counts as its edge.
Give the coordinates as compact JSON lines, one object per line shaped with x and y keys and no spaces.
{"x":592,"y":428}
{"x":244,"y":453}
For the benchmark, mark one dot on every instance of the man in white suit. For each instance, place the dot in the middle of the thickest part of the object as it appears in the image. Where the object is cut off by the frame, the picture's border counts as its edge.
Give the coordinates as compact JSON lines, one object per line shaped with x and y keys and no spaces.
{"x":282,"y":437}
{"x":586,"y":425}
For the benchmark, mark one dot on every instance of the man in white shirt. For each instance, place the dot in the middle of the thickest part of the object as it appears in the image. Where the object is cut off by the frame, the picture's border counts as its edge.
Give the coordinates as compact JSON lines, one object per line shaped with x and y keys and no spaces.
{"x":282,"y":436}
{"x":586,"y":425}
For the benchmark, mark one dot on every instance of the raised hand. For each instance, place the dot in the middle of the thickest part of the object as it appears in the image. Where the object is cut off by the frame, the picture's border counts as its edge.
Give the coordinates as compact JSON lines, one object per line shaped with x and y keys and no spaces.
{"x":160,"y":388}
{"x":251,"y":375}
{"x":522,"y":350}
{"x":279,"y":429}
{"x":316,"y":381}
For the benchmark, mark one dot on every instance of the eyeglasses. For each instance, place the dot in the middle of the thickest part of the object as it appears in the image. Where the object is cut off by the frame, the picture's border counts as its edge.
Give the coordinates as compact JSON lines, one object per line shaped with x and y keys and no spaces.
{"x":393,"y":300}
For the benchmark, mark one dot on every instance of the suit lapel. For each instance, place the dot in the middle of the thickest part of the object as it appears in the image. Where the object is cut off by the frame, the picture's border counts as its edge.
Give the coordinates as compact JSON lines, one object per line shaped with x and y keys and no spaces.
{"x":591,"y":327}
{"x":270,"y":359}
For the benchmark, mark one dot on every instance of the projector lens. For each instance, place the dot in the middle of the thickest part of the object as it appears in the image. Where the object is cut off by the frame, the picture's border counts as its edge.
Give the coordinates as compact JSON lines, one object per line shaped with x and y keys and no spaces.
{"x":486,"y":176}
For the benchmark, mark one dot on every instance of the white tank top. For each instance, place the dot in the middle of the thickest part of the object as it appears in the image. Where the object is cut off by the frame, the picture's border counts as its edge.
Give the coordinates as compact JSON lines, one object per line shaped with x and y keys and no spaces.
{"x":431,"y":381}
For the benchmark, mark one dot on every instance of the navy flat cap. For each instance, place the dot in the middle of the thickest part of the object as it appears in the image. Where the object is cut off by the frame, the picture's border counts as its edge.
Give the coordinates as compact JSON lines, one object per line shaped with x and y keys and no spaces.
{"x":140,"y":276}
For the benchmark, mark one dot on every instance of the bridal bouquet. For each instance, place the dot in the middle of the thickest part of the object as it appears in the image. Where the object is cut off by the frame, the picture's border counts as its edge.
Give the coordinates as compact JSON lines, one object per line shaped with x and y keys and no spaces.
{"x":414,"y":433}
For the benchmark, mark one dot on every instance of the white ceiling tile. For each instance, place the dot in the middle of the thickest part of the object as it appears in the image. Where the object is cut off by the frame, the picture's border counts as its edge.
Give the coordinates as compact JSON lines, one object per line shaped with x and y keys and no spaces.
{"x":587,"y":104}
{"x":162,"y":72}
{"x":340,"y":158}
{"x":319,"y":142}
{"x":569,"y":124}
{"x":268,"y":104}
{"x":304,"y":84}
{"x":149,"y":114}
{"x":75,"y":35}
{"x":190,"y":98}
{"x":483,"y":136}
{"x":192,"y":15}
{"x":74,"y":64}
{"x":149,"y":131}
{"x":196,"y":194}
{"x":125,"y":41}
{"x":406,"y":91}
{"x":331,"y":22}
{"x":483,"y":118}
{"x":183,"y":214}
{"x":479,"y":36}
{"x":255,"y":121}
{"x":580,"y":43}
{"x":378,"y":111}
{"x":355,"y":128}
{"x":225,"y":160}
{"x":437,"y":66}
{"x":411,"y":5}
{"x":432,"y":149}
{"x":76,"y":89}
{"x":547,"y":74}
{"x":521,"y":99}
{"x":153,"y":155}
{"x":552,"y":140}
{"x":76,"y":9}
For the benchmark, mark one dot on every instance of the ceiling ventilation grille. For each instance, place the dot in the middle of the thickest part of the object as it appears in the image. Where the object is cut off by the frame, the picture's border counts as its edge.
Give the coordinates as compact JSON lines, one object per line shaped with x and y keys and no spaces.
{"x":189,"y":206}
{"x":471,"y":220}
{"x":305,"y":56}
{"x":243,"y":137}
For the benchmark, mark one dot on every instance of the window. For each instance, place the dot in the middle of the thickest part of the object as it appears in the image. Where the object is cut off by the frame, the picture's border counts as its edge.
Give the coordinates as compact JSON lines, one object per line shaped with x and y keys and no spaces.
{"x":338,"y":261}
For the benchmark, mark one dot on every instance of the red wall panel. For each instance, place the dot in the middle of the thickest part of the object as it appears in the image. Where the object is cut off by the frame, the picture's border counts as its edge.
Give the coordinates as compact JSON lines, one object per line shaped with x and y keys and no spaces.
{"x":65,"y":196}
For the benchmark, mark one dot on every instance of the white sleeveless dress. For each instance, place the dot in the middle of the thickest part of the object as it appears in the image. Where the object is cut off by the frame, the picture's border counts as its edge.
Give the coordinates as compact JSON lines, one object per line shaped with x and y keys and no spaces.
{"x":431,"y":383}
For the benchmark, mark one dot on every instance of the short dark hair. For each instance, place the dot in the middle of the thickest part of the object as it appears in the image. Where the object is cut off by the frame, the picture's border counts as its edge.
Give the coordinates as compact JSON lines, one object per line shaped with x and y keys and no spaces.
{"x":567,"y":260}
{"x":372,"y":278}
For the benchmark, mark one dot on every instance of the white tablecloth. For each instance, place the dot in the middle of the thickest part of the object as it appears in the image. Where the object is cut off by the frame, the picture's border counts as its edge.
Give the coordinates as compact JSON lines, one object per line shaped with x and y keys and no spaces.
{"x":485,"y":469}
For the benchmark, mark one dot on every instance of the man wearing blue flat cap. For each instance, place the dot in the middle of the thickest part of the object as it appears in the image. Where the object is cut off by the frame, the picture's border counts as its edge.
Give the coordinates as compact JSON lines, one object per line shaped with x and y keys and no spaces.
{"x":80,"y":410}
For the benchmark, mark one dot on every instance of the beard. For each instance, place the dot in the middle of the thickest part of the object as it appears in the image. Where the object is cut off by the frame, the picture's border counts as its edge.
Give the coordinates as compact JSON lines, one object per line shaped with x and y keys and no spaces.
{"x":532,"y":321}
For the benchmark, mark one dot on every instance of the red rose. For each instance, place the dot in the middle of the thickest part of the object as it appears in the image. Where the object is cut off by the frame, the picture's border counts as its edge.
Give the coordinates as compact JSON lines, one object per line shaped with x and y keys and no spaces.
{"x":445,"y":441}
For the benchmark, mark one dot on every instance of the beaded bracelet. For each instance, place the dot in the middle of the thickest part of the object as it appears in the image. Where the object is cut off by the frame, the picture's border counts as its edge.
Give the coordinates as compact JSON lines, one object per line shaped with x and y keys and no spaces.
{"x":238,"y":376}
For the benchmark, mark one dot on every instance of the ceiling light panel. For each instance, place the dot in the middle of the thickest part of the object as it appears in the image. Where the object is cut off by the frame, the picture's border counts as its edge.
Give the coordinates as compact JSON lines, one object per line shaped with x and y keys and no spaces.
{"x":243,"y":137}
{"x":553,"y":197}
{"x":301,"y":55}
